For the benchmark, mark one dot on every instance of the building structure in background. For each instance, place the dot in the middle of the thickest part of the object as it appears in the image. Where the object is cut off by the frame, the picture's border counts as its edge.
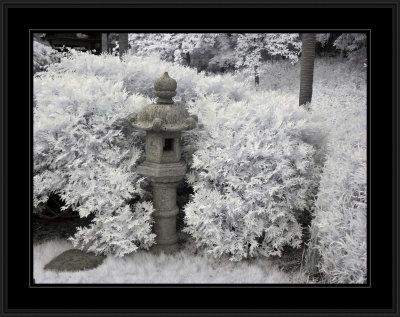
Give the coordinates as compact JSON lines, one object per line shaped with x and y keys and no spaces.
{"x":78,"y":41}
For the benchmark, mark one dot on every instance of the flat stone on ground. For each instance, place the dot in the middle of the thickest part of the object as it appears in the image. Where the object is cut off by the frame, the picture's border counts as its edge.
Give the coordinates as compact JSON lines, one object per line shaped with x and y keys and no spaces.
{"x":74,"y":260}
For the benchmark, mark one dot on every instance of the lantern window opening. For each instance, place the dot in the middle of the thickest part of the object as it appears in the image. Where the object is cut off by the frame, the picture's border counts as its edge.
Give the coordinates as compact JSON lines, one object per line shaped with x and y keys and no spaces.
{"x":168,"y":145}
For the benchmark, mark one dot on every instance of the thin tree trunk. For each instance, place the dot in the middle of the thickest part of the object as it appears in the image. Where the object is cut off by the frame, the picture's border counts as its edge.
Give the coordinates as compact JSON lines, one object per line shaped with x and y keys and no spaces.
{"x":307,"y":68}
{"x":104,"y":42}
{"x":187,"y":59}
{"x":256,"y":76}
{"x":123,"y":43}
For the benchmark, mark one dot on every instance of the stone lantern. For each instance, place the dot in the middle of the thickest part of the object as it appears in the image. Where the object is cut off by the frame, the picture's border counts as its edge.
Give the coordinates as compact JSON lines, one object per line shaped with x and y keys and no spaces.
{"x":163,"y":122}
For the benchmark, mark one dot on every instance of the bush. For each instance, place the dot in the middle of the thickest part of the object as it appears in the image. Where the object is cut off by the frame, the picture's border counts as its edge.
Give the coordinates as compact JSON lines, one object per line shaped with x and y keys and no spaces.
{"x":85,"y":152}
{"x":354,"y":46}
{"x":138,"y":75}
{"x":216,"y":52}
{"x":43,"y":55}
{"x":338,"y":233}
{"x":339,"y":228}
{"x":252,"y":161}
{"x":254,"y":173}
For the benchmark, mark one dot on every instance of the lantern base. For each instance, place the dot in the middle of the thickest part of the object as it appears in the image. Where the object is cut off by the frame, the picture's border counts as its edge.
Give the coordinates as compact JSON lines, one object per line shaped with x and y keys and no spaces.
{"x":164,"y":248}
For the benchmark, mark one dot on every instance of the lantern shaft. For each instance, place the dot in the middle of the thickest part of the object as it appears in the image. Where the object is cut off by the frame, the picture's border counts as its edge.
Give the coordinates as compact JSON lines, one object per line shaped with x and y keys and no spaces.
{"x":164,"y":200}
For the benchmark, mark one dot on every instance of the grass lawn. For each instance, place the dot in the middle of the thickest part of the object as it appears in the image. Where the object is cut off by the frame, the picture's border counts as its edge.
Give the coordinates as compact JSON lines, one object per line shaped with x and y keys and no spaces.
{"x":186,"y":266}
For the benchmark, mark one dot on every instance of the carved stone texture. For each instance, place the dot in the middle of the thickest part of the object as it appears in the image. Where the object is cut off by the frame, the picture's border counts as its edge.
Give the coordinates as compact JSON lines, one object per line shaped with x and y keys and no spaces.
{"x":163,"y":147}
{"x":165,"y":89}
{"x":164,"y":122}
{"x":165,"y":115}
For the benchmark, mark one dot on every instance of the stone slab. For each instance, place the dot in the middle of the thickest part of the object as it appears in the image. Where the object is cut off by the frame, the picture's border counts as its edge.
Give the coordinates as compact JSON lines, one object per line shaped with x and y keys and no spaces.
{"x":74,"y":260}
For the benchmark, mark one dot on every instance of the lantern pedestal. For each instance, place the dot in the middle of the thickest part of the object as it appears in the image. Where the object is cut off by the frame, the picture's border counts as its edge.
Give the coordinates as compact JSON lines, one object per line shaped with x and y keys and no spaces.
{"x":164,"y":200}
{"x":164,"y":178}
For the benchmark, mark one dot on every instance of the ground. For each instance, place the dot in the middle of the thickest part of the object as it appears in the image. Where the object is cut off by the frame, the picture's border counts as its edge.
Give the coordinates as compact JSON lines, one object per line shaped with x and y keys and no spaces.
{"x":187,"y":266}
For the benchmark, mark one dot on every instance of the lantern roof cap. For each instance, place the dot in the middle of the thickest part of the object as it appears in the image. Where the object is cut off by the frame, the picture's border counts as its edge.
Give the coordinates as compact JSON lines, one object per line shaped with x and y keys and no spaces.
{"x":164,"y":115}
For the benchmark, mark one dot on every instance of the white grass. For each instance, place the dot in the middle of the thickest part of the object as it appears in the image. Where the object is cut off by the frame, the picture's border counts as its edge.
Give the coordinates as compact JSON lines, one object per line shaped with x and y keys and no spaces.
{"x":145,"y":267}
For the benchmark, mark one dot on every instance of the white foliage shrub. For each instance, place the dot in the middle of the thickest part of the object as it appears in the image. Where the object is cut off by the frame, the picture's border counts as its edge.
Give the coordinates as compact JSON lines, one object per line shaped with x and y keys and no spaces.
{"x":322,"y":38}
{"x":351,"y":41}
{"x":216,"y":51}
{"x":281,"y":75}
{"x":167,"y":45}
{"x":253,"y":171}
{"x":252,"y":159}
{"x":138,"y":74}
{"x":85,"y":152}
{"x":43,"y":55}
{"x":203,"y":51}
{"x":339,"y":228}
{"x":119,"y":234}
{"x":252,"y":46}
{"x":354,"y":45}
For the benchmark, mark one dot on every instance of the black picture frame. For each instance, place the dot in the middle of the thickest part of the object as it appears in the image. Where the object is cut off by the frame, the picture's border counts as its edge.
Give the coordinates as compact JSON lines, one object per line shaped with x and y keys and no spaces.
{"x":20,"y":296}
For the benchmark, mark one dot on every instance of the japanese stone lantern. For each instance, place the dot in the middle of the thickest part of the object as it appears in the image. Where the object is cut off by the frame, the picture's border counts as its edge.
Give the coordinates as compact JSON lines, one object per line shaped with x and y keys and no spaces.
{"x":163,"y":122}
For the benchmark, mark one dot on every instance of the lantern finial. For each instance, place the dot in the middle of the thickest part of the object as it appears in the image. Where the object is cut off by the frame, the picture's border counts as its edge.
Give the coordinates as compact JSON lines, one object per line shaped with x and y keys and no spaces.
{"x":165,"y":89}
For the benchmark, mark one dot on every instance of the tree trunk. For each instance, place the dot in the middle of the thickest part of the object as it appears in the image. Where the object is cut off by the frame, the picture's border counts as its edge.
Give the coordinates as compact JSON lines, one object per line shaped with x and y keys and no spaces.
{"x":187,"y":59}
{"x":256,"y":76}
{"x":123,"y":43}
{"x":104,"y":42}
{"x":307,"y":68}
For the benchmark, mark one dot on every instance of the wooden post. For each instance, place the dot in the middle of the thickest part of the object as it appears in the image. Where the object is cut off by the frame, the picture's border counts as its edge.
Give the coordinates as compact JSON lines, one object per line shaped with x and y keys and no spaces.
{"x":256,"y":76}
{"x":104,"y":42}
{"x":123,"y":43}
